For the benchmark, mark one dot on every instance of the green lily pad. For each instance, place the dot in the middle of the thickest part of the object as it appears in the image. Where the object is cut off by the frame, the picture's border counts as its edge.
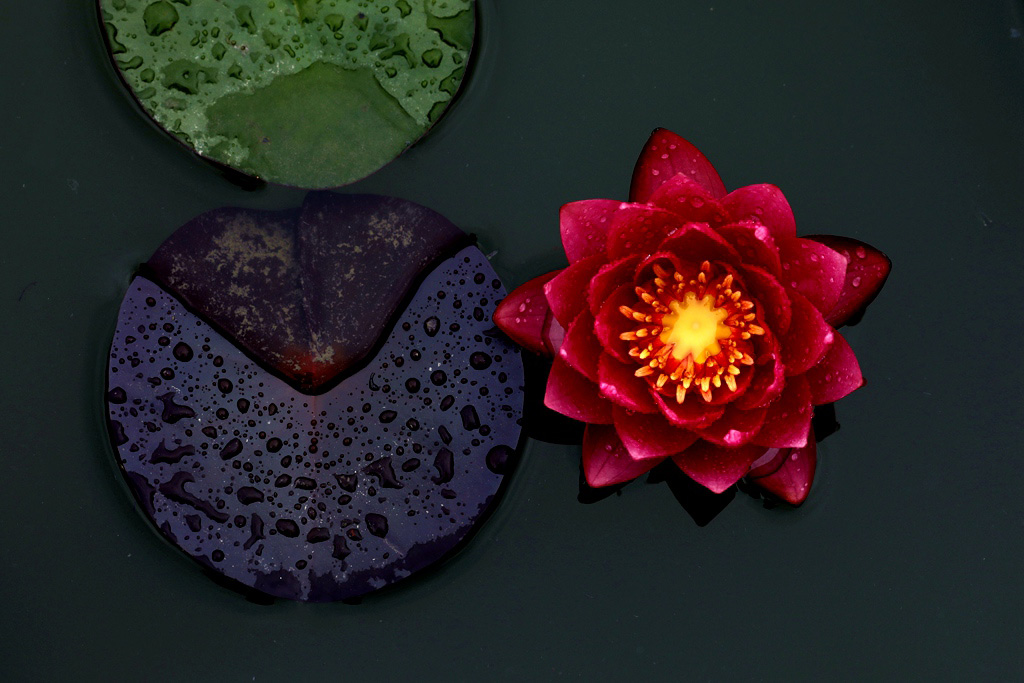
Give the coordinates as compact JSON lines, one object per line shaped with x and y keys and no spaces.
{"x":313,"y":93}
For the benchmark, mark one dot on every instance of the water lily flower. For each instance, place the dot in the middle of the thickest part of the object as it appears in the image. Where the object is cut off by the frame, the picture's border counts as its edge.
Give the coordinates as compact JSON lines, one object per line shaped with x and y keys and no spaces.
{"x":693,"y":324}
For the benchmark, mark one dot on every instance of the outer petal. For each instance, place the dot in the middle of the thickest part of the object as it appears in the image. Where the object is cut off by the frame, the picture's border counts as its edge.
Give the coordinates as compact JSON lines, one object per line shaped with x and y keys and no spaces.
{"x":787,"y":472}
{"x":524,"y":315}
{"x":691,"y":414}
{"x":787,"y":424}
{"x":755,"y":244}
{"x":608,"y":278}
{"x":689,"y":199}
{"x":808,"y":337}
{"x":584,"y":227}
{"x":735,"y":428}
{"x":764,"y":204}
{"x":836,"y":375}
{"x":609,"y":322}
{"x":619,"y":385}
{"x":716,"y":467}
{"x":573,"y":395}
{"x":665,"y":155}
{"x":814,"y":270}
{"x":606,"y":461}
{"x":866,"y":272}
{"x":650,"y":436}
{"x":639,"y":229}
{"x":567,"y":291}
{"x":580,"y":350}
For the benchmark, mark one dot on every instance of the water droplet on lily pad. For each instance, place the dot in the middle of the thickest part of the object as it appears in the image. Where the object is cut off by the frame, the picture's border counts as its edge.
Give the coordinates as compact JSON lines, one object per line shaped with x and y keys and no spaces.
{"x":309,"y":419}
{"x":308,"y":92}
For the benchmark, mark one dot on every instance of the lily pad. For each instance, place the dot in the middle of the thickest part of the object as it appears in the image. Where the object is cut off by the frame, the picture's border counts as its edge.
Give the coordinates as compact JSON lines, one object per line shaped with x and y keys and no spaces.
{"x":299,"y":426}
{"x":312,"y":93}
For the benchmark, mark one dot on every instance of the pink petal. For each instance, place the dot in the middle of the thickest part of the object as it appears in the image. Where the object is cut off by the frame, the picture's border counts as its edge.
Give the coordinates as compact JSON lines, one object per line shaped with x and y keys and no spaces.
{"x":767,"y":463}
{"x":650,"y":436}
{"x":775,"y":307}
{"x":639,"y":229}
{"x":584,"y":227}
{"x":808,"y":337}
{"x":608,"y":278}
{"x":768,"y":382}
{"x":567,"y":291}
{"x":606,"y":460}
{"x":619,"y":385}
{"x":609,"y":322}
{"x":696,"y":242}
{"x":693,"y":413}
{"x":580,"y":350}
{"x":666,"y":155}
{"x":735,"y":428}
{"x":836,"y":374}
{"x":573,"y":395}
{"x":524,"y":315}
{"x":788,"y":473}
{"x":787,"y":424}
{"x":755,"y":245}
{"x":814,"y":270}
{"x":764,"y":204}
{"x":716,"y":467}
{"x":866,"y":272}
{"x":689,"y":199}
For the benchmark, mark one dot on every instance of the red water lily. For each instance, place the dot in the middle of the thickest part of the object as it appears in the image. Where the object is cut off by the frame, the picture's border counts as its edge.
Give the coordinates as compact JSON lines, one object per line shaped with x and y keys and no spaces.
{"x":693,"y":324}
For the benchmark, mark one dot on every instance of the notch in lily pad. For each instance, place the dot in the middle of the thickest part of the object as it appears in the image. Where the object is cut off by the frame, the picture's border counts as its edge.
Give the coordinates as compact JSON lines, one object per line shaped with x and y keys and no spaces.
{"x":313,"y":403}
{"x":310,"y":93}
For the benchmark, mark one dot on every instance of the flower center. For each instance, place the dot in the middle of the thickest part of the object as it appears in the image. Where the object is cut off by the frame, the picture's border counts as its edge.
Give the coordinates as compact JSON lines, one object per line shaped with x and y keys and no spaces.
{"x":691,"y":332}
{"x":694,"y":327}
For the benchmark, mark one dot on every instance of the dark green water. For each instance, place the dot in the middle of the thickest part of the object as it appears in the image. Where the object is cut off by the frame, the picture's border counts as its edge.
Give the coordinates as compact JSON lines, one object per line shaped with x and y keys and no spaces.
{"x":900,"y":124}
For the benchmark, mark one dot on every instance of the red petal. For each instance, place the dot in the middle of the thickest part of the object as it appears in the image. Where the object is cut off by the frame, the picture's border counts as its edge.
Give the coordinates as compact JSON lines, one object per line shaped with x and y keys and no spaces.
{"x":692,"y":413}
{"x":524,"y":315}
{"x":665,"y":155}
{"x":768,"y":382}
{"x":754,"y":244}
{"x":696,"y":242}
{"x":775,"y":306}
{"x":865,"y":274}
{"x":689,"y":199}
{"x":787,"y":423}
{"x":581,"y":350}
{"x":606,"y":461}
{"x":808,"y":337}
{"x":639,"y":229}
{"x":567,"y":291}
{"x":611,"y":276}
{"x":573,"y":395}
{"x":764,"y":204}
{"x":789,"y":472}
{"x":716,"y":467}
{"x":814,"y":270}
{"x":618,"y":384}
{"x":650,"y":436}
{"x":735,"y":428}
{"x":836,"y":375}
{"x":584,"y":227}
{"x":609,"y":322}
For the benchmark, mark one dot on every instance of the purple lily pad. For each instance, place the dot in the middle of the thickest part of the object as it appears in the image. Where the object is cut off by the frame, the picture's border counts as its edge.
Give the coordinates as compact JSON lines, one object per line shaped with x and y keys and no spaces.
{"x":375,"y":456}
